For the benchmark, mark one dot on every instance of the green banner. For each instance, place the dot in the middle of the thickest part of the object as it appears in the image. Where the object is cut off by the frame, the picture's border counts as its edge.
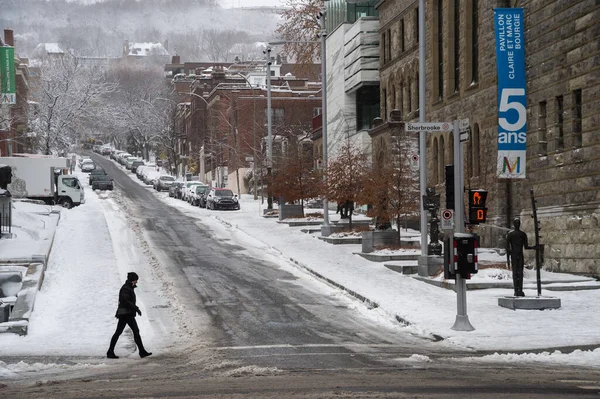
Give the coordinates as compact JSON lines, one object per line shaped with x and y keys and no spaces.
{"x":8,"y":89}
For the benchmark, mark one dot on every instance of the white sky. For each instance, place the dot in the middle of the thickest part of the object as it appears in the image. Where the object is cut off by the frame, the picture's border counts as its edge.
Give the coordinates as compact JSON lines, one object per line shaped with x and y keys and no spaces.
{"x":96,"y":245}
{"x":250,"y":3}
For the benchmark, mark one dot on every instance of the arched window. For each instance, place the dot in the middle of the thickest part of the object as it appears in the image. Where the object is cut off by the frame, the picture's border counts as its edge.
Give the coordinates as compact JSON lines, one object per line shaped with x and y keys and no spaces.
{"x":401,"y":98}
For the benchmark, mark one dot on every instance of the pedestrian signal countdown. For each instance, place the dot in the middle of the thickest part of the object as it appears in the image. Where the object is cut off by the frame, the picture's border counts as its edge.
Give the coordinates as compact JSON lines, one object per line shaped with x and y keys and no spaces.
{"x":477,"y":209}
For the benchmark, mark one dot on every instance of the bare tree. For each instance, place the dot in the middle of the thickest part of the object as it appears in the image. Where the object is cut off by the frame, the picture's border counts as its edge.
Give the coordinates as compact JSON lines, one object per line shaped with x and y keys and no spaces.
{"x":392,"y":187}
{"x":142,"y":107}
{"x":294,"y":178}
{"x":346,"y":176}
{"x":67,"y":93}
{"x":301,"y":28}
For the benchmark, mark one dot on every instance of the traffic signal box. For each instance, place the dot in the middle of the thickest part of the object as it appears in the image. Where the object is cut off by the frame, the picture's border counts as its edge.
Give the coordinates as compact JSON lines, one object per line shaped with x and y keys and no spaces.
{"x":462,"y":257}
{"x":477,"y":209}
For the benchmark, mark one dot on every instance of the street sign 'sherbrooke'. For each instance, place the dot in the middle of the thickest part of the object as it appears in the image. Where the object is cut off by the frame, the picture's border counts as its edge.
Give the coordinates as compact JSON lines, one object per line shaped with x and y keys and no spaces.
{"x":429,"y":127}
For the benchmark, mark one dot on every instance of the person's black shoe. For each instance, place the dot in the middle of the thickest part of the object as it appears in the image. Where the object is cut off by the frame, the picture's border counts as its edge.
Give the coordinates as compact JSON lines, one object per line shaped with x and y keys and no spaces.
{"x":111,"y":355}
{"x":145,"y":354}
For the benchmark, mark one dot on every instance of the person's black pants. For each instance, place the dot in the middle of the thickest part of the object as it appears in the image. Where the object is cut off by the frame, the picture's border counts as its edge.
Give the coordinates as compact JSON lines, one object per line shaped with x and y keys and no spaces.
{"x":130,"y":321}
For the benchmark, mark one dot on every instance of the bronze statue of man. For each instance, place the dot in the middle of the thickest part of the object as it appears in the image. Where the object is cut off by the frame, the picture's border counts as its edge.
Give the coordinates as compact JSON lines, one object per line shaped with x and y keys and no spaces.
{"x":516,"y":241}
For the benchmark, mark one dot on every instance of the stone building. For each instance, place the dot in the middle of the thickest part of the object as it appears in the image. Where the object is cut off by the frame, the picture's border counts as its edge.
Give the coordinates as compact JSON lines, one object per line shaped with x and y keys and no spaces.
{"x":563,"y":86}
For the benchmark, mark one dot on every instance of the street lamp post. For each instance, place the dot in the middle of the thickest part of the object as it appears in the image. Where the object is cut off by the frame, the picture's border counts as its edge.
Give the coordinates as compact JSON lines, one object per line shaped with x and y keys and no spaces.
{"x":324,"y":109}
{"x":269,"y":131}
{"x":422,"y":138}
{"x":253,"y":134}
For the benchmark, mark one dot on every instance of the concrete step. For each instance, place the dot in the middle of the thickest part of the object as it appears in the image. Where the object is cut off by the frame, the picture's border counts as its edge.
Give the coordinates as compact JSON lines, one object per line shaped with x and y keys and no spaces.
{"x":373,"y":257}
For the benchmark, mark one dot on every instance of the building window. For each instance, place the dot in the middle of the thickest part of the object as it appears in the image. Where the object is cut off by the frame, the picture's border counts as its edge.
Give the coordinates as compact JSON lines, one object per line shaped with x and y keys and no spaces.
{"x":393,"y":97}
{"x":409,"y":96}
{"x":384,"y":105}
{"x":476,"y":151}
{"x":560,"y":132}
{"x":402,"y":40}
{"x":384,"y":47}
{"x":542,"y":128}
{"x":416,"y":25}
{"x":367,"y":106}
{"x":439,"y":35}
{"x":577,"y":116}
{"x":389,"y":45}
{"x":417,"y":103}
{"x":474,"y":41}
{"x":277,"y":116}
{"x":456,"y":45}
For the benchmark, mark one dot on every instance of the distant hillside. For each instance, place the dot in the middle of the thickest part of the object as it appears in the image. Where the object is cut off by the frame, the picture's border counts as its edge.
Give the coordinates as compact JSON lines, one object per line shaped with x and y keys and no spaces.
{"x":190,"y":28}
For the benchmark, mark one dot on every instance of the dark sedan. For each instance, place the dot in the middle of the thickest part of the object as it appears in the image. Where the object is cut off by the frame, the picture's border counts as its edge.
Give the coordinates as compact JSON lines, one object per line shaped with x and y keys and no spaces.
{"x":94,"y":174}
{"x":222,"y":198}
{"x":102,"y":183}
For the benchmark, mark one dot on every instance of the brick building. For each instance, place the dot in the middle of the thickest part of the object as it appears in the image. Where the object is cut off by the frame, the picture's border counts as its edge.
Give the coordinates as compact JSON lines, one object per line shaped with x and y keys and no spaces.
{"x":224,"y":129}
{"x":563,"y":86}
{"x":14,"y":137}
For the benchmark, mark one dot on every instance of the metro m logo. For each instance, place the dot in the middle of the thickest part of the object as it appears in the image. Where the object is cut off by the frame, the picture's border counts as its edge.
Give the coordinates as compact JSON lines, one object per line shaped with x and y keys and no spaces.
{"x":512,"y":169}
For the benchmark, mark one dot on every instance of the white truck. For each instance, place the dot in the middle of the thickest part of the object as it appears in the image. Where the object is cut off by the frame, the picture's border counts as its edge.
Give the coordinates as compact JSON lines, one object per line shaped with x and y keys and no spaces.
{"x":45,"y":179}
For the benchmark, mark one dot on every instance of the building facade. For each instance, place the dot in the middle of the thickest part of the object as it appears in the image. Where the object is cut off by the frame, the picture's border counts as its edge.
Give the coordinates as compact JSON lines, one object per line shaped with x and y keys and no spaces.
{"x":562,"y":85}
{"x":352,"y":60}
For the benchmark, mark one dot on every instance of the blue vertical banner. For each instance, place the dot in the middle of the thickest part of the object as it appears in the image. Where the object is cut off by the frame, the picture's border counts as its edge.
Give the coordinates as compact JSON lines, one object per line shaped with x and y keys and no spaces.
{"x":512,"y":101}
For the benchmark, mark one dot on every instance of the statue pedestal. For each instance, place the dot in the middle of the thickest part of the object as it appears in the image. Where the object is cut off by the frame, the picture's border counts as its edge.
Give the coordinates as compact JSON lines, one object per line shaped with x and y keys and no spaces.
{"x":529,"y":303}
{"x":430,"y":265}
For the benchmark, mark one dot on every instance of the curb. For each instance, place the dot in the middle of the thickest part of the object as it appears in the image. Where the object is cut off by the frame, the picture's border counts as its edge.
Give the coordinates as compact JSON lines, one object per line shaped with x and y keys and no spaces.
{"x":33,"y":278}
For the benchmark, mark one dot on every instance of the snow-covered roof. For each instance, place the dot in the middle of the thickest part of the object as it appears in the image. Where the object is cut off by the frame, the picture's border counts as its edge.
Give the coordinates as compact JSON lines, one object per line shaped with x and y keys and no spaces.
{"x":49,"y":48}
{"x":145,"y":49}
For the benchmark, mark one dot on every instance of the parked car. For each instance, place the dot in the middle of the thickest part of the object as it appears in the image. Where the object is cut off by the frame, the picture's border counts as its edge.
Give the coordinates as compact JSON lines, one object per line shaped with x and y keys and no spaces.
{"x":102,"y":182}
{"x":95,"y":173}
{"x":87,"y":166}
{"x":150,"y":176}
{"x":105,"y":151}
{"x":136,"y":164}
{"x":141,"y":170}
{"x":163,"y":182}
{"x":174,"y":188}
{"x":222,"y":198}
{"x":186,"y":187}
{"x":196,"y":192}
{"x":129,"y":161}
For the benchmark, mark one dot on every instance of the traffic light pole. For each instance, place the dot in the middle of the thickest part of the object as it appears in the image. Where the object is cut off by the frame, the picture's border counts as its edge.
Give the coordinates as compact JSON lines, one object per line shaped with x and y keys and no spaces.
{"x":462,"y":319}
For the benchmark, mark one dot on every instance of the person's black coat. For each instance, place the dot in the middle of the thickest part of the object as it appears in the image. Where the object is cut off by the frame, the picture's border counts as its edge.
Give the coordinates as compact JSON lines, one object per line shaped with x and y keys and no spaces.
{"x":127,"y":305}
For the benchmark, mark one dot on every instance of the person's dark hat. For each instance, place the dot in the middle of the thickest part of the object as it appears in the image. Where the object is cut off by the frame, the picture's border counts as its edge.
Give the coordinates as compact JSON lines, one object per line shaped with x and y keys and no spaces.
{"x":132,"y":276}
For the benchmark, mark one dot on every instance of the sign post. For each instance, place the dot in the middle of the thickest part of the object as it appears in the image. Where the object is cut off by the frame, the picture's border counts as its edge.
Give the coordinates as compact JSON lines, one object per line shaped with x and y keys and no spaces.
{"x":448,"y":219}
{"x":8,"y":90}
{"x":462,"y":322}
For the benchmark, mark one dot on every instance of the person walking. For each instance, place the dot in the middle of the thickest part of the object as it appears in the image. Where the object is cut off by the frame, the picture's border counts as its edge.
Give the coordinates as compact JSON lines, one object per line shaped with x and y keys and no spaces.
{"x":126,"y":314}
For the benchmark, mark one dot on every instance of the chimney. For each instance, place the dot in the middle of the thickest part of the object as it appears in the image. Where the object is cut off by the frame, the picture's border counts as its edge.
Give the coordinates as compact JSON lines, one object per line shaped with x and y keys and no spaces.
{"x":9,"y":37}
{"x":176,"y":59}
